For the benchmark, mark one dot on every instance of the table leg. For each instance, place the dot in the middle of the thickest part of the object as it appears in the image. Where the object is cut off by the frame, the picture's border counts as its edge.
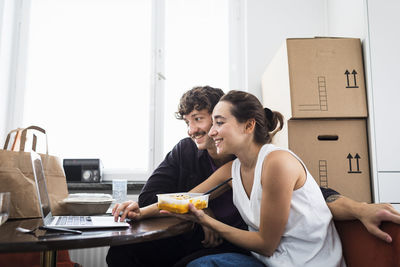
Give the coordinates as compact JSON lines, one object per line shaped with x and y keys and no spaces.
{"x":48,"y":258}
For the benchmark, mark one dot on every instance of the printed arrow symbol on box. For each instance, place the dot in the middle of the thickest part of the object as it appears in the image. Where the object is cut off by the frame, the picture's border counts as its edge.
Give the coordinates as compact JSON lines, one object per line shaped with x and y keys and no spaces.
{"x":350,"y":157}
{"x":347,"y":77}
{"x":357,"y":157}
{"x":354,"y":75}
{"x":347,"y":73}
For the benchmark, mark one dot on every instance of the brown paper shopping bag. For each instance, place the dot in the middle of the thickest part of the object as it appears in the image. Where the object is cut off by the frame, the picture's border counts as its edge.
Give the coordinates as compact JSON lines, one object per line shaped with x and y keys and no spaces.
{"x":16,"y":176}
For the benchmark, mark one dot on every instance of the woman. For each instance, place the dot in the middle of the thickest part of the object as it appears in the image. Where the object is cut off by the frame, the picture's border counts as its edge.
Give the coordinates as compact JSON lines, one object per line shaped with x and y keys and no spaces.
{"x":288,"y":219}
{"x":289,"y":222}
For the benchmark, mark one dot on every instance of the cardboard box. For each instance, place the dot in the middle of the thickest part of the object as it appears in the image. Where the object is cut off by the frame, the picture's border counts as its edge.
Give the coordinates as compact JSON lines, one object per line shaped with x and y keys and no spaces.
{"x":336,"y":154}
{"x":317,"y":78}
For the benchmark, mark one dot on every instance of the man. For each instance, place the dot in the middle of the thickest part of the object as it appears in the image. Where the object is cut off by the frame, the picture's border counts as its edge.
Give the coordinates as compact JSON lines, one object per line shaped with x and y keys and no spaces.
{"x":189,"y":163}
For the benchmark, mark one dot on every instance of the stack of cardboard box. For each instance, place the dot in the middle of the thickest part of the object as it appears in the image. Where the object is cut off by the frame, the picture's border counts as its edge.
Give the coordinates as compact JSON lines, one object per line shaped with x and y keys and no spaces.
{"x":318,"y":85}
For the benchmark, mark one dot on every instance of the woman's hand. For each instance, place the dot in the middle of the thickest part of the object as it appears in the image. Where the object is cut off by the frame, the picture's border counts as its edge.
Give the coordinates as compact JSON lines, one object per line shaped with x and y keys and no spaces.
{"x":193,"y":215}
{"x":128,"y":209}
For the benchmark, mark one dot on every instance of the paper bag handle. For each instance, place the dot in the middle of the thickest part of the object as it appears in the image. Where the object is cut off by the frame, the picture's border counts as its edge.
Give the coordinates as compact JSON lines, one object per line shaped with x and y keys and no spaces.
{"x":23,"y":138}
{"x":17,"y":133}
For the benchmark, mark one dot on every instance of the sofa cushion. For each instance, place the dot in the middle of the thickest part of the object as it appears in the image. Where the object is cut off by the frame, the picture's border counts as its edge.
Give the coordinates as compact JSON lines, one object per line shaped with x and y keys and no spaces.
{"x":360,"y":248}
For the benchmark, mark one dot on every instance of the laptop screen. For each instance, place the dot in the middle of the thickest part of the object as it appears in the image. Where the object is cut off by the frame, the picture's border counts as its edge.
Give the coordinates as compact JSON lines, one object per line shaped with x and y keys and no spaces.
{"x":41,"y":184}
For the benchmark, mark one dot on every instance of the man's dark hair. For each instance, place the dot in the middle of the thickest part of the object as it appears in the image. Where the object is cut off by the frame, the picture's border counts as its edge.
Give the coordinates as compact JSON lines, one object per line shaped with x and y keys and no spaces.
{"x":198,"y":98}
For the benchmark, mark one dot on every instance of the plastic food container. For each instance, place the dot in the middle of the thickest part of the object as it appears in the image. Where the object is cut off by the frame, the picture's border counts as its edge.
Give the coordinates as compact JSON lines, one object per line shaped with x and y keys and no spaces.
{"x":179,"y":202}
{"x":88,"y":204}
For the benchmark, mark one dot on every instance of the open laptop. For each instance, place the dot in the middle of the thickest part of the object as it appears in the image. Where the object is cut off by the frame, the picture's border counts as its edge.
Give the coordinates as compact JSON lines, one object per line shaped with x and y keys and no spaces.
{"x":70,"y":222}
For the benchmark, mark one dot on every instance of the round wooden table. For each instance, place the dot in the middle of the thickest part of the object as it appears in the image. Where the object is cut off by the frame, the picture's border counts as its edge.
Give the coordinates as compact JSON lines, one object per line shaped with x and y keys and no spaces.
{"x":48,"y":243}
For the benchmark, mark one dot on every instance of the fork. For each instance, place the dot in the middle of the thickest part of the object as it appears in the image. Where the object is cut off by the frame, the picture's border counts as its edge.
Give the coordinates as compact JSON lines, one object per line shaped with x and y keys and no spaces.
{"x":33,"y":232}
{"x":26,"y":231}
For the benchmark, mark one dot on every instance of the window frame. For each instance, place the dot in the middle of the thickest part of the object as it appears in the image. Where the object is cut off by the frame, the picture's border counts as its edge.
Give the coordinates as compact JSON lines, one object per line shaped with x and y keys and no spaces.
{"x":237,"y":77}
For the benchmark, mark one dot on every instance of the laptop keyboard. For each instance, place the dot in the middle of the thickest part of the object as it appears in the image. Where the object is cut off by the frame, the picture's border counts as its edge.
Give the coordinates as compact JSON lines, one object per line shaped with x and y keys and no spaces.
{"x":74,"y":220}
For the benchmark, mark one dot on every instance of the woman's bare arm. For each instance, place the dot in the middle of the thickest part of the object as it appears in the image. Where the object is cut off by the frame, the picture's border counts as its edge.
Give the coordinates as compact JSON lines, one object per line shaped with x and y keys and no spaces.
{"x":279,"y":177}
{"x":130,"y":209}
{"x":219,"y":176}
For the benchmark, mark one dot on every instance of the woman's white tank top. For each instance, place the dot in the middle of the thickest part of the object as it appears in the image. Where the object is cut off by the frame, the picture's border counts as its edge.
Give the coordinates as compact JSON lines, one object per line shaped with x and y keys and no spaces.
{"x":310,"y":237}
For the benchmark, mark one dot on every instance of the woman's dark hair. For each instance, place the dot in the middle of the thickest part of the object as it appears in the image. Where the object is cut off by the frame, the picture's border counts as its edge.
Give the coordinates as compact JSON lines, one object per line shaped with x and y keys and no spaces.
{"x":198,"y":98}
{"x":246,"y":106}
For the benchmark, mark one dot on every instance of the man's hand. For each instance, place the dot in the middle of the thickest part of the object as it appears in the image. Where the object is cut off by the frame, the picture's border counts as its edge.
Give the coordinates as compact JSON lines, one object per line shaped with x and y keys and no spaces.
{"x":372,"y":215}
{"x":128,"y":209}
{"x":211,"y":237}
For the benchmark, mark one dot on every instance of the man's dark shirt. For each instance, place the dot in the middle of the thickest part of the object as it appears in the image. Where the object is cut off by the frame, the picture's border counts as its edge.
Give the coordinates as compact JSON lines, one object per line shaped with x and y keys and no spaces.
{"x":184,"y":168}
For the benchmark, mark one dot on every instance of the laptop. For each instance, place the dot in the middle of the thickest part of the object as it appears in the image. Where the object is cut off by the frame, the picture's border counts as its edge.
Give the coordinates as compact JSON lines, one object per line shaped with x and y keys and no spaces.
{"x":65,"y":222}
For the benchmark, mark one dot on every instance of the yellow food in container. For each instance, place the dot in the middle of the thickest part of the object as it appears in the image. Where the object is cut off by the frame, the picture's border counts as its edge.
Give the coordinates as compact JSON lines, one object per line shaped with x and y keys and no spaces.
{"x":179,"y":202}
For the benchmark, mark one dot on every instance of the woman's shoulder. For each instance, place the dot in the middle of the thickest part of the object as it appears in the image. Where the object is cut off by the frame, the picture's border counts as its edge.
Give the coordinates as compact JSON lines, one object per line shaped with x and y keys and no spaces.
{"x":274,"y":152}
{"x":282,"y":160}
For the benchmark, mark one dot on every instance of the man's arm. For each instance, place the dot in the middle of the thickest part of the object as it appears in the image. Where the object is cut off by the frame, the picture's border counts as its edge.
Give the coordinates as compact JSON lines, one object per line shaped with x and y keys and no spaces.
{"x":172,"y":175}
{"x":371,"y":215}
{"x":163,"y":180}
{"x":327,"y":192}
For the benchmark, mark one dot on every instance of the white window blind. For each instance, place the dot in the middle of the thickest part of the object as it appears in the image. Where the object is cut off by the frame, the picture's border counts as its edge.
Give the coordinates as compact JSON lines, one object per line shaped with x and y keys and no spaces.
{"x":88,"y":79}
{"x":196,"y":54}
{"x":89,"y":71}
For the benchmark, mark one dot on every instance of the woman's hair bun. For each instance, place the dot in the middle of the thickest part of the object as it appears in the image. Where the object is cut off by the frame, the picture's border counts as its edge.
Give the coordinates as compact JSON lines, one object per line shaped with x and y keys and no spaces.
{"x":269,"y":114}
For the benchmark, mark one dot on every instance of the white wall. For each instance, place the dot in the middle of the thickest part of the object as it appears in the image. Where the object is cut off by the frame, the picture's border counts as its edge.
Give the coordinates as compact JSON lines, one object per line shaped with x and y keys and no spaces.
{"x":269,"y":23}
{"x":346,"y":18}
